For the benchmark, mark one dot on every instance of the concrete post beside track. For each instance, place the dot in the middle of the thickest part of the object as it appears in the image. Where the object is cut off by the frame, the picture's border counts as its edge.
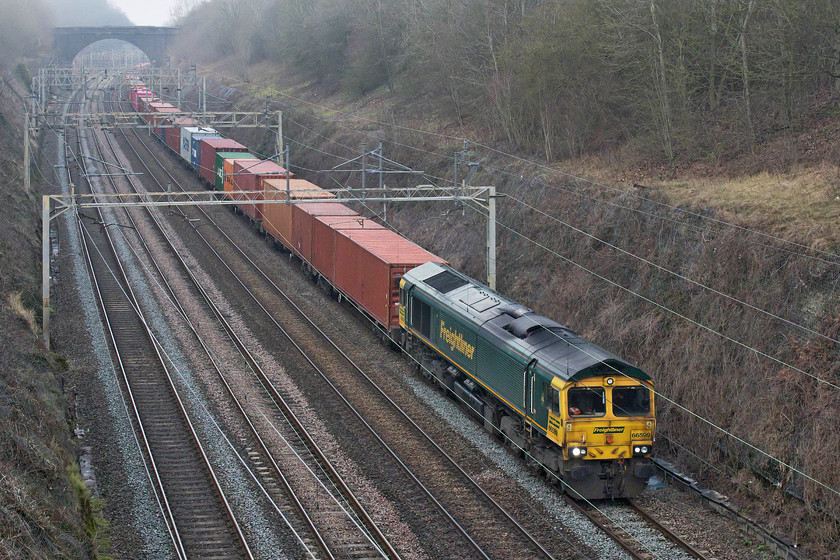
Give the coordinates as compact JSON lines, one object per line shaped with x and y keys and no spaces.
{"x":491,"y":237}
{"x":45,"y":268}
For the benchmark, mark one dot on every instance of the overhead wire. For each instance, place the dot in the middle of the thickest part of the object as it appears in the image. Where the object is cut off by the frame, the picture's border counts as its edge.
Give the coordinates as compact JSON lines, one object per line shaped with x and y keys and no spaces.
{"x":560,"y":534}
{"x":625,"y":193}
{"x":550,"y":186}
{"x":619,"y":373}
{"x":541,"y":166}
{"x":156,"y":341}
{"x":686,"y":410}
{"x":694,"y":282}
{"x":665,"y":308}
{"x":780,"y":509}
{"x":578,"y":192}
{"x":601,"y":201}
{"x":587,"y":500}
{"x":669,"y":310}
{"x":696,"y":323}
{"x":675,"y":403}
{"x":661,"y":395}
{"x":671,"y":272}
{"x":740,"y":343}
{"x":679,"y":405}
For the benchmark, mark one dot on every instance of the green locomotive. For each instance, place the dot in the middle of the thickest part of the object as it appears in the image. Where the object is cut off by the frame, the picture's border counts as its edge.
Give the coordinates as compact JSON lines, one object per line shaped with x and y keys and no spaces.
{"x":581,"y":412}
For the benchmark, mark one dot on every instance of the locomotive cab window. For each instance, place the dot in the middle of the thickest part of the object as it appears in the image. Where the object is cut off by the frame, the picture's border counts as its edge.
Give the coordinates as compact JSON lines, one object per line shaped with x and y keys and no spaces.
{"x":631,"y":401}
{"x":587,"y":401}
{"x":552,"y":399}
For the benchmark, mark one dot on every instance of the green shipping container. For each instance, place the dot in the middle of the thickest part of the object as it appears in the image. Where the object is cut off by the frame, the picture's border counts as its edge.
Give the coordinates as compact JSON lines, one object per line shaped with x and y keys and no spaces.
{"x":220,"y":165}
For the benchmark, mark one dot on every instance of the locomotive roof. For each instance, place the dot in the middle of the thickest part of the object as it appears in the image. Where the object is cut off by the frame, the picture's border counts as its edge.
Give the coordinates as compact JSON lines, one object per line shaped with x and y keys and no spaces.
{"x":558,"y":350}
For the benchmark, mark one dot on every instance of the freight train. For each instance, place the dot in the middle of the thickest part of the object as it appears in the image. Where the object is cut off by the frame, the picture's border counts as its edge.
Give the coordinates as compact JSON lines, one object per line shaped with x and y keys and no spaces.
{"x":567,"y":405}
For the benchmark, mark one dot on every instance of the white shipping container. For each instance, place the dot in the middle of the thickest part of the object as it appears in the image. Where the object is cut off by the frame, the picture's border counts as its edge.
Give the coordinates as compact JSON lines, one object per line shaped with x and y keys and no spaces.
{"x":187,"y":133}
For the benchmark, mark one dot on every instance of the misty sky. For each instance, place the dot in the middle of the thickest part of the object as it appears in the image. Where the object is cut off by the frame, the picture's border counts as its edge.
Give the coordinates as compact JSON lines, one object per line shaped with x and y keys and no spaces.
{"x":109,"y":12}
{"x":148,"y":12}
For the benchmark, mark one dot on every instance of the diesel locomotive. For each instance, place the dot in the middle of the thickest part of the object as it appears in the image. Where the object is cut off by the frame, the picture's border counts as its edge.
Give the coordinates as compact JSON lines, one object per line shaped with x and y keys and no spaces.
{"x":580,"y":411}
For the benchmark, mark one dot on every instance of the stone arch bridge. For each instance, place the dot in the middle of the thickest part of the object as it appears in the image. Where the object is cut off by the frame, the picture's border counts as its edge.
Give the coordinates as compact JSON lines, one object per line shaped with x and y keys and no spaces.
{"x":153,"y":41}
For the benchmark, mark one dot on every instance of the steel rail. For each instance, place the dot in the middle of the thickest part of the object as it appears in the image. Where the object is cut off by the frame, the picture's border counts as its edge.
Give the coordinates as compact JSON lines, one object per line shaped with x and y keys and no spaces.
{"x":302,"y":352}
{"x":618,"y":535}
{"x":181,"y":406}
{"x":673,"y":537}
{"x":308,"y":441}
{"x":173,"y":297}
{"x":428,"y":438}
{"x":157,"y":483}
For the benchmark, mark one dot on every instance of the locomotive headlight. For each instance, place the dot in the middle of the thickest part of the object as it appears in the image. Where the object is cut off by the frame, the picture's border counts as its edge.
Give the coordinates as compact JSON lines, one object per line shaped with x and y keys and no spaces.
{"x":637,"y":449}
{"x":642,"y":449}
{"x":578,"y":451}
{"x":610,"y":380}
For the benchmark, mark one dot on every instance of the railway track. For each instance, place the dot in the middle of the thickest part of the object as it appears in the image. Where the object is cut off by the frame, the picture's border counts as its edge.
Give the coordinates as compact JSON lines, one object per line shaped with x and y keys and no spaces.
{"x":673,"y":537}
{"x":265,"y":299}
{"x":327,"y":518}
{"x":606,"y":516}
{"x":420,"y":454}
{"x":195,"y":509}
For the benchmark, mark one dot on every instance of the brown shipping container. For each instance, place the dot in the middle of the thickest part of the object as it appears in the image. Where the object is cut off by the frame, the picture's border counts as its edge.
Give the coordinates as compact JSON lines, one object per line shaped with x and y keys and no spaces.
{"x":137,"y":103}
{"x":369,"y":264}
{"x":231,"y":180}
{"x":303,"y":215}
{"x":137,"y":92}
{"x":173,"y":135}
{"x":161,"y":110}
{"x":247,"y":177}
{"x":144,"y":100}
{"x":153,"y":107}
{"x":324,"y":230}
{"x":278,"y":217}
{"x":209,"y":147}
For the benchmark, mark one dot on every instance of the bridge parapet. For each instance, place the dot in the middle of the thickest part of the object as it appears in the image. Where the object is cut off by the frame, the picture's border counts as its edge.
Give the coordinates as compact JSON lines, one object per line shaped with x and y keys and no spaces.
{"x":153,"y":41}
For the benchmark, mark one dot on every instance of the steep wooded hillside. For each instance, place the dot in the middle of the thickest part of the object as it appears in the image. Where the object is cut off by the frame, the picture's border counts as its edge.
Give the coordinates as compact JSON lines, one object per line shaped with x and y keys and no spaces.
{"x":680,"y":80}
{"x":671,"y":191}
{"x":45,"y":508}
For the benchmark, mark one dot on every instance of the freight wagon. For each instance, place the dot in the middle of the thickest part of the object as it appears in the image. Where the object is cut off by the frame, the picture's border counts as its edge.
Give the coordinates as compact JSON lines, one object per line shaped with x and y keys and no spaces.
{"x":190,"y":135}
{"x":224,"y":161}
{"x":277,"y":220}
{"x":246,"y":177}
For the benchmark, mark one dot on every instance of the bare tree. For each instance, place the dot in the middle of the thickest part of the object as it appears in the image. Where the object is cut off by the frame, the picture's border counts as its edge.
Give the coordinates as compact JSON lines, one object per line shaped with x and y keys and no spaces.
{"x":633,"y":29}
{"x":181,"y":8}
{"x":745,"y":8}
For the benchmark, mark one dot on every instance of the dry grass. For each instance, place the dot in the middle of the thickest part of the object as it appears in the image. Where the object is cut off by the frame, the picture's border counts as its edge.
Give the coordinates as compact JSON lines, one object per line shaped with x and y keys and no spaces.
{"x":803,"y":205}
{"x":18,"y":308}
{"x":41,"y":517}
